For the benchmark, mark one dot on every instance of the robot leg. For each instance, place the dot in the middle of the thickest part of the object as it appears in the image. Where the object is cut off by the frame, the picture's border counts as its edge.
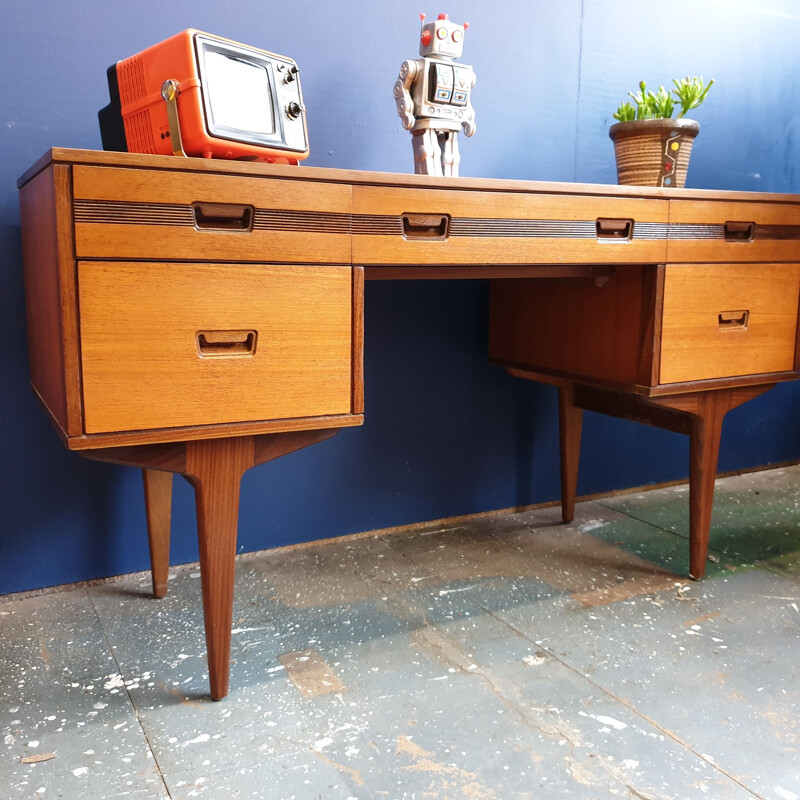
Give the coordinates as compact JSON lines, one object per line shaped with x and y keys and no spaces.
{"x":427,"y":153}
{"x":451,"y":158}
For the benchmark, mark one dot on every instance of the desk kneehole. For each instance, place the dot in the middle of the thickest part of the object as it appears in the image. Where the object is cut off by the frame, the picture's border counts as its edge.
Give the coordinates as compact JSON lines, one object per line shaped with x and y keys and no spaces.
{"x":728,"y":320}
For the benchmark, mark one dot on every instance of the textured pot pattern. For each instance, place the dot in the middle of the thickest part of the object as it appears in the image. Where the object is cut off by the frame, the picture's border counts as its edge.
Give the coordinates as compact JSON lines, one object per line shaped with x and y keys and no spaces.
{"x":653,"y":152}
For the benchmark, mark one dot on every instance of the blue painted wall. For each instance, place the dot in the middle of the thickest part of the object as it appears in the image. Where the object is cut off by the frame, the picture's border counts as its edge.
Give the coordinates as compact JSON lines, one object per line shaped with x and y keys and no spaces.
{"x":446,"y":433}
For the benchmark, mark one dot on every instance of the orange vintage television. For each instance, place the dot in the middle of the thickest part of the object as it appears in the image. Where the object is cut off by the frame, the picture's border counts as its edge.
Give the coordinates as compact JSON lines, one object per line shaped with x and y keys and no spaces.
{"x":201,"y":95}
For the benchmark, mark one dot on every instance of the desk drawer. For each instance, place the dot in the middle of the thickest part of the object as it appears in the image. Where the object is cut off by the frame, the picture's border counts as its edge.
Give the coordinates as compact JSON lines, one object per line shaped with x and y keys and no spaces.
{"x":717,"y":230}
{"x":155,"y":214}
{"x":443,"y":226}
{"x":172,"y":345}
{"x":728,"y":320}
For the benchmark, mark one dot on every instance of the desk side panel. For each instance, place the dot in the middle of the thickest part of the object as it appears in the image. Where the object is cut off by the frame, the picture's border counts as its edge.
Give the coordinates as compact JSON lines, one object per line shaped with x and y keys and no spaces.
{"x":47,"y":248}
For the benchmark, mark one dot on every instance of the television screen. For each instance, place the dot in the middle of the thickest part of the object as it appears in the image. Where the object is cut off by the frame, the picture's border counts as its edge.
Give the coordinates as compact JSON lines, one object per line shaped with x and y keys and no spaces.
{"x":239,"y":96}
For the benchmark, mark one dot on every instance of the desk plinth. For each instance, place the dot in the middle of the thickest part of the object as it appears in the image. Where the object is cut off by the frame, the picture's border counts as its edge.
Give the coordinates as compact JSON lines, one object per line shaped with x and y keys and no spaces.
{"x":201,"y":317}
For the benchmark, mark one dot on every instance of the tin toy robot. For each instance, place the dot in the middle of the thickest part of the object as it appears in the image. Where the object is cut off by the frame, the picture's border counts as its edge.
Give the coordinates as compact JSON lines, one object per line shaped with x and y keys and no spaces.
{"x":433,"y":97}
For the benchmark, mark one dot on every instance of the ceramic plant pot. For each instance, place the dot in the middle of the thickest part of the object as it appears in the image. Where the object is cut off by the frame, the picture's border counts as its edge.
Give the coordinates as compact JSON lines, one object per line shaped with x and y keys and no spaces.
{"x":653,"y":152}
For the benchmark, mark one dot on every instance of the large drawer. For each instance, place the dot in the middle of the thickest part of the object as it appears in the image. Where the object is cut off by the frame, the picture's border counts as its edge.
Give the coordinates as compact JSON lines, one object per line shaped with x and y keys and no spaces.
{"x":159,"y":214}
{"x":719,"y":230}
{"x":728,"y":320}
{"x":424,"y":226}
{"x":171,"y":345}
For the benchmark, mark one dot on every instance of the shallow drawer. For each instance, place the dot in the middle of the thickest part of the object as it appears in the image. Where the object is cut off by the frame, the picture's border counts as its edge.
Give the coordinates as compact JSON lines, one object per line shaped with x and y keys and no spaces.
{"x":173,"y":345}
{"x":443,"y":226}
{"x":135,"y":213}
{"x":716,"y":230}
{"x":727,"y":320}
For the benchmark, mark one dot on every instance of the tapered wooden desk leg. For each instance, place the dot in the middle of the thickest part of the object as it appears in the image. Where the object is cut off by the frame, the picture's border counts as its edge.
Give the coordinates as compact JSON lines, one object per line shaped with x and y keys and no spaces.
{"x":158,"y":504}
{"x":570,"y":423}
{"x":704,"y":441}
{"x":215,"y":468}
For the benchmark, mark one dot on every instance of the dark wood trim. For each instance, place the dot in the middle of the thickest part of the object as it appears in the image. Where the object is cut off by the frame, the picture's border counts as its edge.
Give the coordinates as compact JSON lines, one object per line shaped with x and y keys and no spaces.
{"x":797,"y":343}
{"x":96,"y":441}
{"x":357,"y":403}
{"x":597,"y":272}
{"x":556,"y":377}
{"x":652,"y":313}
{"x":632,"y":407}
{"x":722,"y":383}
{"x":68,"y":285}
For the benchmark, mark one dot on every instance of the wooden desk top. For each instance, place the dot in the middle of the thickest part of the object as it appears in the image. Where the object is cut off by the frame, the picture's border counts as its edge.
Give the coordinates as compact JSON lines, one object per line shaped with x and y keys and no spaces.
{"x":58,"y":155}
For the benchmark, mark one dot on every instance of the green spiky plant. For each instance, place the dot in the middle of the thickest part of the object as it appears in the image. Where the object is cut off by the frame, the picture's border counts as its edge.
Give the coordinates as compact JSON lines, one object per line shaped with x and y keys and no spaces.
{"x":689,"y":92}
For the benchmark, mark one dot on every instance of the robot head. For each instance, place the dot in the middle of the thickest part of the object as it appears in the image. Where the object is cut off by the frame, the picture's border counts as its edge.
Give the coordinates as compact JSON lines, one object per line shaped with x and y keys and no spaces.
{"x":441,"y":38}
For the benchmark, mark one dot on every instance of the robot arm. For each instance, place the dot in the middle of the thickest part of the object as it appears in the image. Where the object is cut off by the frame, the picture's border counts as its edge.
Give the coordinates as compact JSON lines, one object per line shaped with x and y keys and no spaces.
{"x":468,"y":124}
{"x":402,"y":92}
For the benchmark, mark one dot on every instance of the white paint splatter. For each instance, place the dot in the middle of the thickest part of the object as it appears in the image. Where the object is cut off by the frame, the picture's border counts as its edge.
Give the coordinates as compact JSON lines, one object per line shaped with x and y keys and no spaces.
{"x":321,"y":744}
{"x":604,"y":720}
{"x":203,"y":737}
{"x":785,"y":793}
{"x":534,"y":661}
{"x":454,"y":591}
{"x":115,"y":681}
{"x":247,"y":630}
{"x":592,"y":525}
{"x":80,"y":771}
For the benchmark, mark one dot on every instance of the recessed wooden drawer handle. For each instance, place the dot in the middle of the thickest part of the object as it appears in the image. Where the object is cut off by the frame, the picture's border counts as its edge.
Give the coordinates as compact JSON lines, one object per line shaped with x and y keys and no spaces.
{"x":425,"y":226}
{"x":733,"y":320}
{"x":225,"y":344}
{"x":223,"y":216}
{"x":739,"y":231}
{"x":614,"y":228}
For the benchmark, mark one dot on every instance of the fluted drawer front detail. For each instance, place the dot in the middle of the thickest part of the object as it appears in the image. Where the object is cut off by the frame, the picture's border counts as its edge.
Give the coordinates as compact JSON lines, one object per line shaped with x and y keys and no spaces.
{"x":423,"y":226}
{"x":128,"y":213}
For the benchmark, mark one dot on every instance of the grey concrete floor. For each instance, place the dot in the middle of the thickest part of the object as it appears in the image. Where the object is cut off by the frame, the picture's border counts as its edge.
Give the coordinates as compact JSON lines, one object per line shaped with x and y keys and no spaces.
{"x":511,"y":657}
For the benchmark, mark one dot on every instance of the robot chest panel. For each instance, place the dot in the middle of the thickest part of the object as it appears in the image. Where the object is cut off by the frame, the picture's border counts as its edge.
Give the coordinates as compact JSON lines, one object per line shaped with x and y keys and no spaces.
{"x":447,"y":84}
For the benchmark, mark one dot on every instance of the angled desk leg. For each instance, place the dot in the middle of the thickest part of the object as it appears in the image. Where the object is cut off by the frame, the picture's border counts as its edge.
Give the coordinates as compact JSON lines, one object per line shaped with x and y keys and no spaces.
{"x":570,"y":424}
{"x":706,"y":411}
{"x":214,"y":467}
{"x":697,"y":414}
{"x":158,"y":504}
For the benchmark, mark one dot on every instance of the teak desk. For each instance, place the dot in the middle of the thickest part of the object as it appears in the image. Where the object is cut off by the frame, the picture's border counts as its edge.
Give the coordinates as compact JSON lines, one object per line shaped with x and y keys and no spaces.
{"x":202,"y":317}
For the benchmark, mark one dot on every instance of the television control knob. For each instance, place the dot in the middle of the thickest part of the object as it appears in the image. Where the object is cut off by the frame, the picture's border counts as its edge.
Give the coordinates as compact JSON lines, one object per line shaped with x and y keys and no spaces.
{"x":294,"y":110}
{"x":290,"y":74}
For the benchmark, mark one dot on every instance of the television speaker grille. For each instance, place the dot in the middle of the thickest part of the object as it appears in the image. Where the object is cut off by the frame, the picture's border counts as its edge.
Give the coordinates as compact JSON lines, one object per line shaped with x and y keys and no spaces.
{"x":130,"y":75}
{"x":139,"y":132}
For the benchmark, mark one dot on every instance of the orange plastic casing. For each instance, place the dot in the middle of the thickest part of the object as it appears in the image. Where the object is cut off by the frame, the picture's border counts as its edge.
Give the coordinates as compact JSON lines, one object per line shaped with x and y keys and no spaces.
{"x":144,"y":111}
